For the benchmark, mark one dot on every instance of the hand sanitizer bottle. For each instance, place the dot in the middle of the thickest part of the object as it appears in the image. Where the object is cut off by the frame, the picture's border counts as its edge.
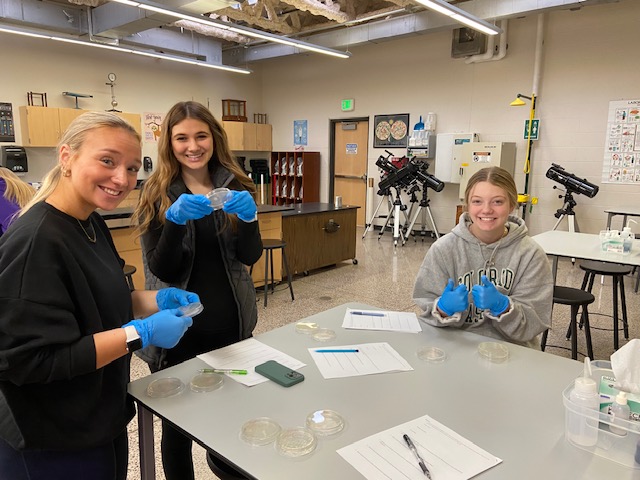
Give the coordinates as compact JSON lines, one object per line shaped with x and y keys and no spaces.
{"x":583,"y":413}
{"x":620,"y":414}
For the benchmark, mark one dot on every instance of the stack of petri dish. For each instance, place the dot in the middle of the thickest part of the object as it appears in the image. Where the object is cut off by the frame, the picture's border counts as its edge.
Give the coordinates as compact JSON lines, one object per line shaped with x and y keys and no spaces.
{"x":432,"y":354}
{"x":218,"y":197}
{"x":323,"y":335}
{"x":260,"y":431}
{"x":296,"y":442}
{"x":165,"y":387}
{"x":325,"y":422}
{"x":192,"y":309}
{"x":493,"y":351}
{"x":206,"y":382}
{"x":307,"y":328}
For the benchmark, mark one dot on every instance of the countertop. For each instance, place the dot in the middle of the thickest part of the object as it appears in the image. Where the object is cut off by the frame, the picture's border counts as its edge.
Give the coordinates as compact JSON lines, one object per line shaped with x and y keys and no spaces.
{"x":315,"y":207}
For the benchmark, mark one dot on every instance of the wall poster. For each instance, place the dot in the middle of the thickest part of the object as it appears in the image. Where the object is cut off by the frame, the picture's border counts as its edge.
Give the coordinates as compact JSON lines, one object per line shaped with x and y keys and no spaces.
{"x":152,"y":126}
{"x":390,"y":131}
{"x":622,"y":145}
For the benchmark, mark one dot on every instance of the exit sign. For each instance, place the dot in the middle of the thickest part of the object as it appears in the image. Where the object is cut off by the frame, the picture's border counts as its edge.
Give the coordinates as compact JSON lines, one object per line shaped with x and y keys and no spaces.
{"x":348,"y":105}
{"x":535,"y":129}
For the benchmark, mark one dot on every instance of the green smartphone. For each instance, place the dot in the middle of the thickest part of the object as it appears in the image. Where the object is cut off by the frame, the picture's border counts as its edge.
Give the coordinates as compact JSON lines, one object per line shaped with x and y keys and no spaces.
{"x":279,"y":373}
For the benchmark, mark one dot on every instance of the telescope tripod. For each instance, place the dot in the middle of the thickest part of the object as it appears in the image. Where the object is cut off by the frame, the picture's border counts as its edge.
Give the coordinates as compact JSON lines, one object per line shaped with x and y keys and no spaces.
{"x":568,"y":212}
{"x":423,"y":209}
{"x":394,"y":214}
{"x":386,"y":196}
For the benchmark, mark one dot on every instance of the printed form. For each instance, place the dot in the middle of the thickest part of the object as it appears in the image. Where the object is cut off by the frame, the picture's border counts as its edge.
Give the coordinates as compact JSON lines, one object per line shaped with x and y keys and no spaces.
{"x":381,"y":320}
{"x":246,"y":355}
{"x":368,"y":359}
{"x":447,"y":455}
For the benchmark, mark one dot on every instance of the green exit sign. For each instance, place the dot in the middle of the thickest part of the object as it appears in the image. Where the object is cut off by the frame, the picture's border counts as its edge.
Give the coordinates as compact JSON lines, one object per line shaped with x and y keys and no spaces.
{"x":348,"y":105}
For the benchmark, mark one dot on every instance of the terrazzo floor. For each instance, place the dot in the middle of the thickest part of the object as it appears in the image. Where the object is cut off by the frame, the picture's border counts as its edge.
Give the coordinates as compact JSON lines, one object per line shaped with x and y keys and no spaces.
{"x":384,"y":277}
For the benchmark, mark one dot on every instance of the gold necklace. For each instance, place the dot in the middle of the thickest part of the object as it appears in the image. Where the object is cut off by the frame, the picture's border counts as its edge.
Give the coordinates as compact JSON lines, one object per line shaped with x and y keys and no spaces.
{"x":92,"y":240}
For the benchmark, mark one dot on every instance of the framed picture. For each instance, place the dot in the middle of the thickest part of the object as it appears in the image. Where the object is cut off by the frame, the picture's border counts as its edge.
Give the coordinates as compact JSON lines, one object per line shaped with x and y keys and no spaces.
{"x":391,"y":131}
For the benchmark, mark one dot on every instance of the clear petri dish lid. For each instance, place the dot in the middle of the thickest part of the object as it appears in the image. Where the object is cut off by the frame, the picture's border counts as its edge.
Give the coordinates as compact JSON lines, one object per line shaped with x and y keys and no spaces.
{"x":307,"y":328}
{"x":296,"y":442}
{"x":493,"y":351}
{"x":165,"y":387}
{"x":325,"y":422}
{"x":218,"y":196}
{"x":206,"y":382}
{"x":260,"y":431}
{"x":324,"y":335}
{"x":431,"y":354}
{"x":192,"y":309}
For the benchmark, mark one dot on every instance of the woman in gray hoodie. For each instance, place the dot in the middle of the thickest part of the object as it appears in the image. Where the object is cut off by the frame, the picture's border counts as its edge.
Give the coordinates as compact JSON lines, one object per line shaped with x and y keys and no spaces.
{"x":487,"y":275}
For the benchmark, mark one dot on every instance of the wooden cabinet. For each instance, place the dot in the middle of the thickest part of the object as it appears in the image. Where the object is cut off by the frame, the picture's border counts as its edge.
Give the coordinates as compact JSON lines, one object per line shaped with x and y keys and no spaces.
{"x":295,"y":177}
{"x":44,"y":126}
{"x":270,"y":227}
{"x":40,"y":126}
{"x":245,"y":136}
{"x":128,"y":245}
{"x":319,"y":239}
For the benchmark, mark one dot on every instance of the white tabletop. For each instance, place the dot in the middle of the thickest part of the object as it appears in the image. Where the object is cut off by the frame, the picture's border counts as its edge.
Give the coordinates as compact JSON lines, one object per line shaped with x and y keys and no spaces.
{"x":585,"y":246}
{"x":513,"y":410}
{"x":631,"y":211}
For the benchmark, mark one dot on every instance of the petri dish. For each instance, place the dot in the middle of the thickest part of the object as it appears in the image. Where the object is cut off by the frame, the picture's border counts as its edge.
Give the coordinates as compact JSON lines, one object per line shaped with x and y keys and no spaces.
{"x":307,"y":328}
{"x":165,"y":387}
{"x":325,"y":422}
{"x":218,"y":197}
{"x":324,"y":335}
{"x":259,"y":431}
{"x":206,"y":382}
{"x":493,"y":351}
{"x":192,"y":309}
{"x":431,"y":354}
{"x":296,"y":442}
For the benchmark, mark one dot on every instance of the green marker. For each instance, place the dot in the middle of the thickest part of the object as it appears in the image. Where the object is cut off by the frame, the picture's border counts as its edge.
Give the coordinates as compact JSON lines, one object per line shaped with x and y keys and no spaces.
{"x":223,"y":370}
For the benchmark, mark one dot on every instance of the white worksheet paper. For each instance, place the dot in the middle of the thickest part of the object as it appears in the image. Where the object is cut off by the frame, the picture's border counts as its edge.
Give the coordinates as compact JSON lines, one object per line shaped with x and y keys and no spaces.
{"x":448,"y":456}
{"x":246,"y":355}
{"x":370,"y":358}
{"x":381,"y":320}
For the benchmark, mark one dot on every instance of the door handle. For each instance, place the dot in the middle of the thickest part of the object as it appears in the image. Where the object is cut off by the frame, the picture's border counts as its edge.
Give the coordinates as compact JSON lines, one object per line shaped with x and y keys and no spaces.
{"x":354,"y":177}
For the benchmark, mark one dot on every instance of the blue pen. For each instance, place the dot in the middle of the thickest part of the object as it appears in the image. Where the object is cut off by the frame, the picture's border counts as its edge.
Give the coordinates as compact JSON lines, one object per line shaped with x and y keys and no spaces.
{"x":338,"y":350}
{"x":370,"y":314}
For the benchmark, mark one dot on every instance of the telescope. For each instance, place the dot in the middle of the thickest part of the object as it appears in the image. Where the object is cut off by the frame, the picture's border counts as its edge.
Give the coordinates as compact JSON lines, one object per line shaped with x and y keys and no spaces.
{"x":571,"y":182}
{"x":429,"y":180}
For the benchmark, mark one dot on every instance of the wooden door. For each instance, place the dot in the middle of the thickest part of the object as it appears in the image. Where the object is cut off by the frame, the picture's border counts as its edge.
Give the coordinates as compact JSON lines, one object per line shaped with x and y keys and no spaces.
{"x":350,"y":179}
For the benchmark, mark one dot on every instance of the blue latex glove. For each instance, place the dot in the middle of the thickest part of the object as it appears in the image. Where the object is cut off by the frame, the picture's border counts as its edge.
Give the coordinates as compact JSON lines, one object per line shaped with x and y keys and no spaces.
{"x":487,"y":297}
{"x":173,"y":297}
{"x":163,"y":329}
{"x":454,"y":300}
{"x":188,"y":207}
{"x":242,"y":204}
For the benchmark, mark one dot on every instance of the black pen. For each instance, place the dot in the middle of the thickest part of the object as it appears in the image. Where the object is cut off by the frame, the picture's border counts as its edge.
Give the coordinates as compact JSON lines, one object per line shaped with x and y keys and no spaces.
{"x":412,"y":447}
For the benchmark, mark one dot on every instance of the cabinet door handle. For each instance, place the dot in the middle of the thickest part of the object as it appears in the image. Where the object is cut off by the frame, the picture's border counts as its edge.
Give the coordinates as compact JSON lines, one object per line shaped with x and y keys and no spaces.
{"x":331,"y":226}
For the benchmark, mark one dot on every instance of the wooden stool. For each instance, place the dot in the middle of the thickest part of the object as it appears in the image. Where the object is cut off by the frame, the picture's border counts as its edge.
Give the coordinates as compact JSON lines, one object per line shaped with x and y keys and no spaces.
{"x":617,"y":273}
{"x":269,"y":245}
{"x":575,"y":298}
{"x":128,"y":271}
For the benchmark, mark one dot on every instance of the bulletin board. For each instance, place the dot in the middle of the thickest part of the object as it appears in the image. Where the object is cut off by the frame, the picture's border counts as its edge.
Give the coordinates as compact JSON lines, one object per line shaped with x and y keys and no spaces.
{"x":622,"y":146}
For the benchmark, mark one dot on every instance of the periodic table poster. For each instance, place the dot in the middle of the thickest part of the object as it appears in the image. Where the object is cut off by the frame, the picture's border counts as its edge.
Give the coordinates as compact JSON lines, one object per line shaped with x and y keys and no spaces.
{"x":622,"y":147}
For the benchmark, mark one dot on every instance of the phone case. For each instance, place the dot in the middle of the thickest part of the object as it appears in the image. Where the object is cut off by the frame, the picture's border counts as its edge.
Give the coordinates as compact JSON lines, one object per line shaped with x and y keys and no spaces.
{"x":279,"y":373}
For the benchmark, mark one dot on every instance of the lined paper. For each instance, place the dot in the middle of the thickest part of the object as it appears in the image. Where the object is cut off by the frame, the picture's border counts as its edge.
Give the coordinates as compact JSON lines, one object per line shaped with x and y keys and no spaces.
{"x":381,"y":320}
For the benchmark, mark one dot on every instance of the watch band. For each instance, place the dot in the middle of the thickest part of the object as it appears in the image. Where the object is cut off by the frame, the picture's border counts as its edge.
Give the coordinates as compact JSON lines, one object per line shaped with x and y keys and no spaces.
{"x":134,"y":342}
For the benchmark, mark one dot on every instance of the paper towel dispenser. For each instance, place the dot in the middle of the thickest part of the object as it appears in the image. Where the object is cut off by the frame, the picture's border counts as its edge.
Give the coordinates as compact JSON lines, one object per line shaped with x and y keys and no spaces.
{"x":14,"y":158}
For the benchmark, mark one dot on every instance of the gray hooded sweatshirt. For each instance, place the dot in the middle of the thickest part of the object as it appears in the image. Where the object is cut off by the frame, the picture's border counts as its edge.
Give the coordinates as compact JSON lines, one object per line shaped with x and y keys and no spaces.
{"x":516,"y":264}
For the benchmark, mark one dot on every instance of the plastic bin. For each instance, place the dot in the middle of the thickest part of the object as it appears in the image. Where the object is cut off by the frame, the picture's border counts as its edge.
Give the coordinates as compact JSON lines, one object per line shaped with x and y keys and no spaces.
{"x":622,"y":449}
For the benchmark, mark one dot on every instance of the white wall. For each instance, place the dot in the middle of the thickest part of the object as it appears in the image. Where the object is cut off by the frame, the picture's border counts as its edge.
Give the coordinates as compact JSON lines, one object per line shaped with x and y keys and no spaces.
{"x":590,"y":59}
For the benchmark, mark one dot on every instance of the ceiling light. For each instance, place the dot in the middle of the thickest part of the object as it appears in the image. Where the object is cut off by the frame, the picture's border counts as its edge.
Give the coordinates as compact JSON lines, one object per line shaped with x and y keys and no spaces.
{"x":249,"y":32}
{"x":461,"y":16}
{"x":18,"y":31}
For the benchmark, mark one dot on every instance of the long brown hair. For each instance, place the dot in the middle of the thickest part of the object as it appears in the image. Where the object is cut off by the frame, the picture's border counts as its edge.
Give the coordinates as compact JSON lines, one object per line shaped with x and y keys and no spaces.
{"x":17,"y":190}
{"x":74,"y":137}
{"x":157,"y":185}
{"x":497,"y":176}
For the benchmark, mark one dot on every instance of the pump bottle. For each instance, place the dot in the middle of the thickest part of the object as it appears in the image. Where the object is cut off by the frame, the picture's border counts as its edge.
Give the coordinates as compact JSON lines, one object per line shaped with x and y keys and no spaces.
{"x":620,"y":414}
{"x":582,"y":416}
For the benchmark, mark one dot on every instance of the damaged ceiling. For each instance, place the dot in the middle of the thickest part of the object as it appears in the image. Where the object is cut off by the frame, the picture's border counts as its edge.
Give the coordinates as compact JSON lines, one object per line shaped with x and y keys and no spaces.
{"x":334,"y":24}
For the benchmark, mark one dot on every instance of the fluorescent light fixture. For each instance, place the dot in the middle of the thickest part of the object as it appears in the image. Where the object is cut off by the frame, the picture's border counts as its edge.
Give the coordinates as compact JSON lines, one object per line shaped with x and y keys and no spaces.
{"x":459,"y":15}
{"x":18,"y":31}
{"x":249,"y":32}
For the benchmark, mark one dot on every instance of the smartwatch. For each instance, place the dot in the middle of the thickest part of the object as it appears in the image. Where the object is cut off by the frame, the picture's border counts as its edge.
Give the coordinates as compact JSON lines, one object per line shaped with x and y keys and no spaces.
{"x":134,"y":342}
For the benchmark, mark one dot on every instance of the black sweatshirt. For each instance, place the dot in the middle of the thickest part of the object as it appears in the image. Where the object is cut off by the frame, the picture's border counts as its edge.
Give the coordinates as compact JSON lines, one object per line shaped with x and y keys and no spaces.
{"x":57,"y":289}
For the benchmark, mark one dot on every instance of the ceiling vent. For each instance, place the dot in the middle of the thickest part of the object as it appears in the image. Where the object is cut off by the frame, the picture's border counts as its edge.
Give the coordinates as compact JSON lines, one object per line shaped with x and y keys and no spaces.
{"x":466,"y":42}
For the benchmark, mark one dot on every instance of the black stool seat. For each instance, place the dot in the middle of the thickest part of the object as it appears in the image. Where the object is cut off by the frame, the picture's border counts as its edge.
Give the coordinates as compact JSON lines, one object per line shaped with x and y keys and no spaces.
{"x":616,"y":272}
{"x":269,"y":245}
{"x":128,"y":271}
{"x":575,"y":298}
{"x":604,"y":268}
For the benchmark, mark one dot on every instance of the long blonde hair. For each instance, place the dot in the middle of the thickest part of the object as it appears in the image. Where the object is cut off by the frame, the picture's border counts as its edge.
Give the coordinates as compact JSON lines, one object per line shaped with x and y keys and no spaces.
{"x":17,"y":190}
{"x":157,"y":185}
{"x":74,"y":137}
